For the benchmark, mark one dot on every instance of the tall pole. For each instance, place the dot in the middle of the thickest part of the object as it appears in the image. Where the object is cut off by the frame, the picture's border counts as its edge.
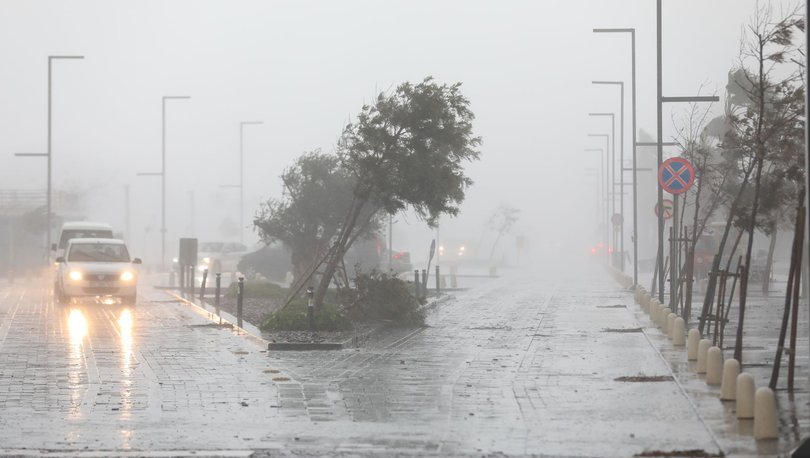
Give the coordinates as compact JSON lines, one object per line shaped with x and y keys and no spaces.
{"x":48,"y":197}
{"x":635,"y":168}
{"x":163,"y":179}
{"x":610,"y":185}
{"x":660,"y":151}
{"x":126,"y":212}
{"x":601,"y":200}
{"x":632,"y":33}
{"x":242,"y":177}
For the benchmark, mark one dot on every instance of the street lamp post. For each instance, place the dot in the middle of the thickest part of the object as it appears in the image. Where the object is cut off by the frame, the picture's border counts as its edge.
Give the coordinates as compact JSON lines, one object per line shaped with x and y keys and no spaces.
{"x":632,"y":33}
{"x":162,"y":175}
{"x":621,"y":164}
{"x":48,"y":153}
{"x":612,"y":172}
{"x":601,"y":202}
{"x":241,"y":177}
{"x":608,"y":184}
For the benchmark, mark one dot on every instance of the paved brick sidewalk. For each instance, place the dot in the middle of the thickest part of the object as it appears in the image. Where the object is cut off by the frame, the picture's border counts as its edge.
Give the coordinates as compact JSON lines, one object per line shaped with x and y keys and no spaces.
{"x":524,"y":364}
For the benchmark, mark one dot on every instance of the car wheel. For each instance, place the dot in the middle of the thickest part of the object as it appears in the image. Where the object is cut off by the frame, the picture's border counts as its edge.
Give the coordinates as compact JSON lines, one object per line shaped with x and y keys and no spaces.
{"x":61,"y":297}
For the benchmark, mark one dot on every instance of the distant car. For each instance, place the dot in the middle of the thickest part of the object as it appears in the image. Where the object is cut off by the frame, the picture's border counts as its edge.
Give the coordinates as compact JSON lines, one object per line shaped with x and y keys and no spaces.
{"x":99,"y":268}
{"x":220,"y":257}
{"x":452,"y":252}
{"x":400,"y":262}
{"x":80,"y":230}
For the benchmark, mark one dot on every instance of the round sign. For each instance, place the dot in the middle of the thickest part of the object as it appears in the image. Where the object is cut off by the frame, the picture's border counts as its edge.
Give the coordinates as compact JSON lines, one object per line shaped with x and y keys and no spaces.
{"x":616,"y":219}
{"x":676,"y":175}
{"x":669,"y":207}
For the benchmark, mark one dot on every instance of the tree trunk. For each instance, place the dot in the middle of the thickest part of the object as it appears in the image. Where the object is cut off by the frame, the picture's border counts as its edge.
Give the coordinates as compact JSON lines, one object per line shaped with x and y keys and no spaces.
{"x":707,"y":302}
{"x":337,"y":255}
{"x":766,"y":281}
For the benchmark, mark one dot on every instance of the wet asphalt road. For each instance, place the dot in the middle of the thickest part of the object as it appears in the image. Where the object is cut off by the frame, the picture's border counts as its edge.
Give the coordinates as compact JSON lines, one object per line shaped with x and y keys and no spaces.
{"x":522,"y":365}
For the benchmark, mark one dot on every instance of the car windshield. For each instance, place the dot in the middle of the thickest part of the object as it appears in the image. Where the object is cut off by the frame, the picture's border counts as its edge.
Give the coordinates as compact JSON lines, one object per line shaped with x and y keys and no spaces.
{"x":68,"y":234}
{"x":211,"y":247}
{"x":98,"y":252}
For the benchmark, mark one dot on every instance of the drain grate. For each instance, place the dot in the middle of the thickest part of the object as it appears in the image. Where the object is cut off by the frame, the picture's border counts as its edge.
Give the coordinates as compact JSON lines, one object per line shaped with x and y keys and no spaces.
{"x":622,"y":330}
{"x":694,"y":453}
{"x":645,"y":378}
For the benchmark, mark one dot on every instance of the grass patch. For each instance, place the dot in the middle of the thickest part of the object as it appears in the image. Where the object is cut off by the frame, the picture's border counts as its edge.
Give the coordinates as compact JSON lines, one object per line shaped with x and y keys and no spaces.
{"x":294,"y":318}
{"x":258,"y":289}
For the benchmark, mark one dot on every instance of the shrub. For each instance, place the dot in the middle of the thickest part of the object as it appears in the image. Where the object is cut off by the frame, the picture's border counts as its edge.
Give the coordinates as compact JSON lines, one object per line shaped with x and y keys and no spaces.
{"x":258,"y":289}
{"x":384,"y":296}
{"x":294,"y":318}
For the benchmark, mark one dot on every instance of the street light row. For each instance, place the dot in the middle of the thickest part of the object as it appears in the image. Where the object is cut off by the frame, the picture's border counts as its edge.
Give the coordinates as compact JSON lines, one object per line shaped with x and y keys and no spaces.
{"x":162,"y":172}
{"x":659,"y":144}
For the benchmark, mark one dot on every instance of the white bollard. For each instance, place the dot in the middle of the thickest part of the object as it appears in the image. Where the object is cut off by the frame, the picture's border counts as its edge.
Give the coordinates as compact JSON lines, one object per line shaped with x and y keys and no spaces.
{"x":766,"y":423}
{"x":703,"y":353}
{"x":728,"y":389}
{"x":653,"y":307}
{"x":678,"y":332}
{"x":645,"y":302}
{"x":670,"y":322}
{"x":662,"y":318}
{"x":745,"y":395}
{"x":692,"y":345}
{"x":714,"y":366}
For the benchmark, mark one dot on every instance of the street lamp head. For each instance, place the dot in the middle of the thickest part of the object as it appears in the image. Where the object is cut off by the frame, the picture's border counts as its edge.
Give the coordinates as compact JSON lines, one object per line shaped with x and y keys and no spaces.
{"x":630,"y":30}
{"x":65,"y":57}
{"x":176,"y":97}
{"x":244,"y":123}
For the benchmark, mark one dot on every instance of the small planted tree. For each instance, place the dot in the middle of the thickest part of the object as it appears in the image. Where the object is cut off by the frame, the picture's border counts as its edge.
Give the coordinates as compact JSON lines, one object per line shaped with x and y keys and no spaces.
{"x":501,"y":222}
{"x":317,"y":194}
{"x":766,"y":98}
{"x":406,"y":150}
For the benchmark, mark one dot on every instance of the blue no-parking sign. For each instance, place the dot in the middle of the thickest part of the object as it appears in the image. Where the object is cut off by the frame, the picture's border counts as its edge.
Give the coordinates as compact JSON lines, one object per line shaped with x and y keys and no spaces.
{"x":676,"y":175}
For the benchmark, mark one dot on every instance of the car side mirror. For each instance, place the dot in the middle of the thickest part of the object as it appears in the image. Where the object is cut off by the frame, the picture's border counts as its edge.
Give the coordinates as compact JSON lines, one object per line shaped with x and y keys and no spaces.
{"x":60,"y":259}
{"x":137,"y":261}
{"x":53,"y":247}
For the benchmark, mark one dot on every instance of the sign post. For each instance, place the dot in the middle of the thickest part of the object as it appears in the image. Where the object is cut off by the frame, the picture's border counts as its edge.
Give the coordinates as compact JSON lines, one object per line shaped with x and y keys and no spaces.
{"x":676,"y":175}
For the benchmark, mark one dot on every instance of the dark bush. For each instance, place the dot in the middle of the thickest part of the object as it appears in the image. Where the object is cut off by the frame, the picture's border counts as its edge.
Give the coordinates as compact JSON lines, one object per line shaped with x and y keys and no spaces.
{"x":379,"y":295}
{"x":294,"y":318}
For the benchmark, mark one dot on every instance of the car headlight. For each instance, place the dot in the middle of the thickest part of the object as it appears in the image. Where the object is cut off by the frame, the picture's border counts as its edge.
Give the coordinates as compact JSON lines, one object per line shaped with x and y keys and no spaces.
{"x":75,"y":275}
{"x":127,"y":276}
{"x":206,"y":260}
{"x":175,"y":260}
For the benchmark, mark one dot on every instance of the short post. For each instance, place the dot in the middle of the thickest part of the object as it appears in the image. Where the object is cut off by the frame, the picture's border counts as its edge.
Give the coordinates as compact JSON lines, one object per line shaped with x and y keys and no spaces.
{"x":217,"y":285}
{"x":438,"y":281}
{"x":191,"y":282}
{"x":424,"y":283}
{"x":453,"y":280}
{"x":202,"y":285}
{"x":311,"y":308}
{"x":239,"y":297}
{"x":171,"y":279}
{"x":182,"y":272}
{"x":417,"y":286}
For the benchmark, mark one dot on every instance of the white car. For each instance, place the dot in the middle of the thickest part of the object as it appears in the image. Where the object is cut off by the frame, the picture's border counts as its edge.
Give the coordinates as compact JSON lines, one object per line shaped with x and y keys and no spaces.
{"x":98,"y":268}
{"x":220,"y":257}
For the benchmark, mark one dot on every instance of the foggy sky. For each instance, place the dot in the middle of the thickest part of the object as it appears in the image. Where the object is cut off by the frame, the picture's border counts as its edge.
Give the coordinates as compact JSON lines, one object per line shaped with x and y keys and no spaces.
{"x":305,"y":68}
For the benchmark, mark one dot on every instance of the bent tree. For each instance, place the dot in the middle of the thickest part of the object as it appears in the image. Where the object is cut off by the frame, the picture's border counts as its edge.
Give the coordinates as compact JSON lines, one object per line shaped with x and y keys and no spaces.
{"x":406,"y":150}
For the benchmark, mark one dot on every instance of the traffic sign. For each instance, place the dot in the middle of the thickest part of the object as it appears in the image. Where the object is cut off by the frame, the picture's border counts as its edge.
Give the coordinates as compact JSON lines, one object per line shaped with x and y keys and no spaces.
{"x":669,"y":208}
{"x":676,"y":175}
{"x":616,"y":219}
